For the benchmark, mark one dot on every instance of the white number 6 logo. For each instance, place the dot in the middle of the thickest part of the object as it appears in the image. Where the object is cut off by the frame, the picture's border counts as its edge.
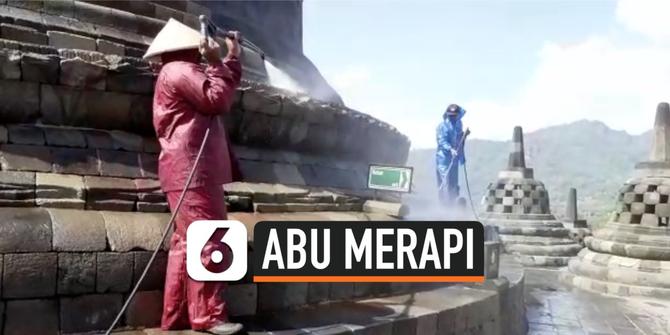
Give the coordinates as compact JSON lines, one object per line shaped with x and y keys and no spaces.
{"x":208,"y":247}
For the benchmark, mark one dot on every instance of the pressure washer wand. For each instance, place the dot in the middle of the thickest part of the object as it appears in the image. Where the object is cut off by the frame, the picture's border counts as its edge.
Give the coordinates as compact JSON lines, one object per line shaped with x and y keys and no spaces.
{"x":209,"y":29}
{"x":170,"y":224}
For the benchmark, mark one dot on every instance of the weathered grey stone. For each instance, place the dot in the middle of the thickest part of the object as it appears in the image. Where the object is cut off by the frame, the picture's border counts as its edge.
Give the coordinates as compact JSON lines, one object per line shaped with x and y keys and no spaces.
{"x":661,"y":134}
{"x":63,"y":105}
{"x":256,"y":101}
{"x":145,"y":310}
{"x":260,"y":207}
{"x":63,"y":137}
{"x":76,"y":273}
{"x":17,"y":189}
{"x":155,"y":279}
{"x":24,"y":230}
{"x":96,"y":139}
{"x":22,"y":34}
{"x":342,"y":178}
{"x":149,"y":165}
{"x":151,"y":145}
{"x":40,"y":68}
{"x":88,"y":312}
{"x":58,"y":190}
{"x":86,"y":55}
{"x":275,"y":296}
{"x":114,"y":272}
{"x":637,"y":208}
{"x":241,"y":299}
{"x":30,"y":5}
{"x":106,"y":193}
{"x":59,"y":39}
{"x":131,"y":82}
{"x":75,"y":161}
{"x":649,"y":220}
{"x":9,"y":44}
{"x":76,"y":230}
{"x":30,"y":275}
{"x":119,"y":164}
{"x":81,"y":74}
{"x":149,"y":190}
{"x":238,"y":203}
{"x":132,"y":231}
{"x":318,"y":292}
{"x":651,"y":198}
{"x":4,"y":135}
{"x":341,"y":291}
{"x":59,"y":7}
{"x":126,"y":141}
{"x":152,"y":207}
{"x":20,"y":134}
{"x":135,"y":52}
{"x":257,"y":172}
{"x":165,"y":13}
{"x":109,"y":47}
{"x":9,"y":65}
{"x":388,"y":208}
{"x":22,"y":317}
{"x":288,"y":174}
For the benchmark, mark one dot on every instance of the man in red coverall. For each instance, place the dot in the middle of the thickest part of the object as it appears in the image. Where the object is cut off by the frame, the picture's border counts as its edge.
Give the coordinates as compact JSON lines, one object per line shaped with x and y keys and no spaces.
{"x":188,"y":99}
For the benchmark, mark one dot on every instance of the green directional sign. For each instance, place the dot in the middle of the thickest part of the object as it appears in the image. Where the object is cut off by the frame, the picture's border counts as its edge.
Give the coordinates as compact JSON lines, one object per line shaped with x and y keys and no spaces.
{"x":390,"y":178}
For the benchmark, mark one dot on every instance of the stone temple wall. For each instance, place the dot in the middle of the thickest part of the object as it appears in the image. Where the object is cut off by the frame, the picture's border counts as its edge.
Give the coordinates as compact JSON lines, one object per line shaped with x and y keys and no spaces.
{"x":128,"y":26}
{"x":80,"y":204}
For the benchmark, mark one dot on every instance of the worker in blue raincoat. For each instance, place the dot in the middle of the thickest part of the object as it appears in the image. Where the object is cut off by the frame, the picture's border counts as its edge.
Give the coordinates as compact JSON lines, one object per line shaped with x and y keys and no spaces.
{"x":449,"y":135}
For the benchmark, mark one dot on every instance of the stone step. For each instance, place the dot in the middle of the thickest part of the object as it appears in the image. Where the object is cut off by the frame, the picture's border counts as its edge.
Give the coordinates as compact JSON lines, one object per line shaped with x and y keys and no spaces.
{"x":614,"y":235}
{"x":534,"y":240}
{"x":636,"y":229}
{"x":619,"y":275}
{"x":445,"y":311}
{"x":398,"y":210}
{"x":540,"y":250}
{"x":133,"y":31}
{"x":522,"y":223}
{"x":627,"y":250}
{"x":519,"y":217}
{"x":542,"y":261}
{"x":621,"y":262}
{"x":534,"y":231}
{"x":618,"y":289}
{"x":304,"y":207}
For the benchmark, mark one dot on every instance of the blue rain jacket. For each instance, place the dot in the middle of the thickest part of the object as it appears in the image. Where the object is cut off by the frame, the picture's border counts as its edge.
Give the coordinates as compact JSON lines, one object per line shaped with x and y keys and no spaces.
{"x":449,"y":134}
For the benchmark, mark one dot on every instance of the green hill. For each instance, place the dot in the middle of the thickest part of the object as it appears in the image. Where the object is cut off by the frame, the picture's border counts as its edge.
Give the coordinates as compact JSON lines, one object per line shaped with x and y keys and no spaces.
{"x":586,"y":155}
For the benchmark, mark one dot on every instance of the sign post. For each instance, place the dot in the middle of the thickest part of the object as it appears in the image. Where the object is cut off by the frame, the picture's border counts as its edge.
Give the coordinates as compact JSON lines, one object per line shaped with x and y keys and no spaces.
{"x":390,"y":178}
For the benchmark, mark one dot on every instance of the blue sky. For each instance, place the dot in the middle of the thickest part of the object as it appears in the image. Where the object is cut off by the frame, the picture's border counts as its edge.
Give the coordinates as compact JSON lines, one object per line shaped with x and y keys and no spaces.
{"x":532,"y":63}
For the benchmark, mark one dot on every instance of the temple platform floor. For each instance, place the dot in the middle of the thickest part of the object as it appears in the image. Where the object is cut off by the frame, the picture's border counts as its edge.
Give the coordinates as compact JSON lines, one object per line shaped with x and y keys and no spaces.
{"x":551,"y":308}
{"x":555,"y":308}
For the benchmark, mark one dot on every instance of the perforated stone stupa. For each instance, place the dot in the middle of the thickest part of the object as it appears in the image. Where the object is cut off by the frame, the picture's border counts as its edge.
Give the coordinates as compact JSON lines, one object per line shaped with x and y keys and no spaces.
{"x":630,"y":254}
{"x":519,"y":205}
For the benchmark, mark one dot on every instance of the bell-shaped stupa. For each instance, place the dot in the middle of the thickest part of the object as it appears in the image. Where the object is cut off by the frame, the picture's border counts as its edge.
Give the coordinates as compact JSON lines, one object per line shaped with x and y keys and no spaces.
{"x":630,"y":254}
{"x":519,"y":205}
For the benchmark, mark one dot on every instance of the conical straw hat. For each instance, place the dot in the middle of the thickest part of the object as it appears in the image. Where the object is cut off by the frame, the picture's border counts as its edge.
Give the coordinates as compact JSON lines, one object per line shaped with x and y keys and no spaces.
{"x":173,"y":37}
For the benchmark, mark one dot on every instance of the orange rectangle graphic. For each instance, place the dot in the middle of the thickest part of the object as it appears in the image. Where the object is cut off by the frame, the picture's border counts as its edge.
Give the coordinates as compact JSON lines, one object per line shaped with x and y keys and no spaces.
{"x":368,"y":279}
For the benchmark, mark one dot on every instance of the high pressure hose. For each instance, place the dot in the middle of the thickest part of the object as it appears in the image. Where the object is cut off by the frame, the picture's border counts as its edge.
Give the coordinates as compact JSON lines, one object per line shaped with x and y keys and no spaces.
{"x":465,"y":175}
{"x":467,"y":187}
{"x":175,"y":211}
{"x":167,"y":230}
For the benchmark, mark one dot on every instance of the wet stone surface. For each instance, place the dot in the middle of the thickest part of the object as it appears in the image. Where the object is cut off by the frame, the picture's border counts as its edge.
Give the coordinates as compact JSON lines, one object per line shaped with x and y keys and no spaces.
{"x":553,"y":308}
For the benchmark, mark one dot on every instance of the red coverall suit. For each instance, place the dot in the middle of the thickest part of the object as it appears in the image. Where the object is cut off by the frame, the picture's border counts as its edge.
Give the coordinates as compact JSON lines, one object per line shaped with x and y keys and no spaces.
{"x":188,"y":98}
